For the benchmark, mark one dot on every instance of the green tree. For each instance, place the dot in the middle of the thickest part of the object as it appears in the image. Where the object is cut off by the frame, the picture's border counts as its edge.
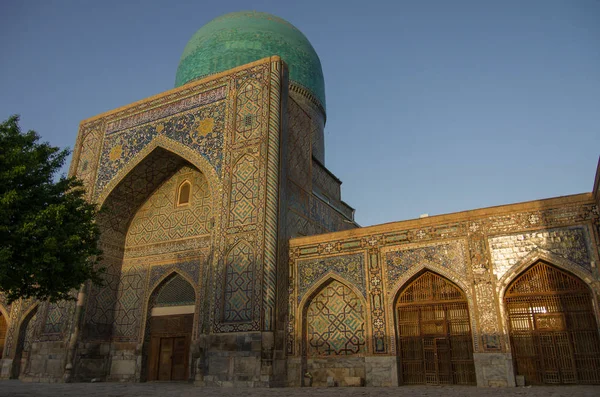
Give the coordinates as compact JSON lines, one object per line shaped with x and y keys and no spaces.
{"x":48,"y":237}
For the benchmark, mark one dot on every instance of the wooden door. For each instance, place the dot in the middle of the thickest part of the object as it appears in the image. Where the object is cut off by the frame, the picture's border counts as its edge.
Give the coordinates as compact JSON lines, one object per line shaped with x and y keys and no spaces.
{"x":179,"y":358}
{"x":164,"y":358}
{"x":170,"y":338}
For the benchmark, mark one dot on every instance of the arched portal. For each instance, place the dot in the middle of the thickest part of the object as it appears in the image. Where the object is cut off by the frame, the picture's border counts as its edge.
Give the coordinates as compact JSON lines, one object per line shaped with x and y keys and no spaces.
{"x":169,"y":332}
{"x":553,"y":330}
{"x":24,"y":341}
{"x":434,"y":333}
{"x":3,"y":329}
{"x":334,"y":330}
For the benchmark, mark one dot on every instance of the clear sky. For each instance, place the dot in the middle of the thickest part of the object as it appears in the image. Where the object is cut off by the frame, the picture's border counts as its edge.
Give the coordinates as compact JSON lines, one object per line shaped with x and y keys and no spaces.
{"x":433,"y":106}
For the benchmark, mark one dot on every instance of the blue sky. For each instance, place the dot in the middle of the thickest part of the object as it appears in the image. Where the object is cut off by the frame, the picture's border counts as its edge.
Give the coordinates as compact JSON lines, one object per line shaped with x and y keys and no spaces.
{"x":433,"y":106}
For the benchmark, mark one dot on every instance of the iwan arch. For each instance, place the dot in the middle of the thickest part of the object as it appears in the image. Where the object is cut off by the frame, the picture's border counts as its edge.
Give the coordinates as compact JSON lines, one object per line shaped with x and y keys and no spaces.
{"x":232,"y":259}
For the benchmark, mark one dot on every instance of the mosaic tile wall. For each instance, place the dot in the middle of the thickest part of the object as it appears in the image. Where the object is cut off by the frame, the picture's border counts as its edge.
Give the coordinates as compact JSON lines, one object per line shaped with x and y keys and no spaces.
{"x":473,"y":250}
{"x":335,"y":322}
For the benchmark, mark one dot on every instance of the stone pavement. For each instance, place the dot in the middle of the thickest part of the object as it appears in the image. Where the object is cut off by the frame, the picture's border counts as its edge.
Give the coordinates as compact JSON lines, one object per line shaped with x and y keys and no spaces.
{"x":15,"y":388}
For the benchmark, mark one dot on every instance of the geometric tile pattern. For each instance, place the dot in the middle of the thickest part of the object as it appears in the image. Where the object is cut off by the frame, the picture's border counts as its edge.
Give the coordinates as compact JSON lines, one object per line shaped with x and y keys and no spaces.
{"x":176,"y":292}
{"x":160,"y":219}
{"x":239,"y":284}
{"x":335,"y":322}
{"x":244,"y":192}
{"x":350,"y":267}
{"x":248,"y":101}
{"x":128,"y":312}
{"x":57,"y":317}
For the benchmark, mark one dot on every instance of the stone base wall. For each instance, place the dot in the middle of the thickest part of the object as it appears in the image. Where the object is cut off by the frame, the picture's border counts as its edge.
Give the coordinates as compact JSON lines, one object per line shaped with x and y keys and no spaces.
{"x":240,"y":359}
{"x":381,"y":371}
{"x":6,"y":365}
{"x":494,"y":369}
{"x":125,"y":362}
{"x":372,"y":371}
{"x":47,"y":362}
{"x":324,"y":371}
{"x":92,"y":361}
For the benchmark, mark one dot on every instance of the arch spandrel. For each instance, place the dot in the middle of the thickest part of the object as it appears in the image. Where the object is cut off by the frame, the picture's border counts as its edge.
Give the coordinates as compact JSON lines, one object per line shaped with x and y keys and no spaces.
{"x":175,"y":149}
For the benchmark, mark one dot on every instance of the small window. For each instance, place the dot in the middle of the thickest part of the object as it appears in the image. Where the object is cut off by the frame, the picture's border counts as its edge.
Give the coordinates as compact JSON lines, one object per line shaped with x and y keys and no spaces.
{"x":248,"y":120}
{"x":184,"y":193}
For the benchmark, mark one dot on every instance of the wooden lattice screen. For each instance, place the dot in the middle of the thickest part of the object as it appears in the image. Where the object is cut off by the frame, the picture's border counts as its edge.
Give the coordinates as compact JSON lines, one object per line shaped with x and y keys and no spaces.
{"x":434,"y":333}
{"x":553,"y":330}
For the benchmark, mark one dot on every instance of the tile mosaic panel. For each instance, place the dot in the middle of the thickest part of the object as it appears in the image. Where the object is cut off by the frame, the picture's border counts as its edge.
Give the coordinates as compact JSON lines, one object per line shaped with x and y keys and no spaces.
{"x":160,"y":219}
{"x":335,"y":322}
{"x":167,"y":109}
{"x":350,"y":267}
{"x":248,"y":118}
{"x":199,"y":129}
{"x":450,"y":255}
{"x":130,"y":301}
{"x":244,"y":192}
{"x":239,"y":284}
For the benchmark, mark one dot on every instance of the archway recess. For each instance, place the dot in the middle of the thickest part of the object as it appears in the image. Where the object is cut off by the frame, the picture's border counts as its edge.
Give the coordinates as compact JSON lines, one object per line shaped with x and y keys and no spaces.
{"x":3,"y":329}
{"x":552,"y":326}
{"x":335,"y":322}
{"x":170,"y":325}
{"x":434,"y":333}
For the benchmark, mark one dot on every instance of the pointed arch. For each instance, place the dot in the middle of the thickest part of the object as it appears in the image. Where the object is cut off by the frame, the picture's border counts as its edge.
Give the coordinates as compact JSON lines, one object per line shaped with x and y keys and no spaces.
{"x":553,"y":326}
{"x":172,"y":328}
{"x":334,"y":318}
{"x":322,"y":282}
{"x":184,"y":193}
{"x":154,"y":288}
{"x":4,"y":327}
{"x":175,"y":148}
{"x":416,"y":271}
{"x":545,"y":256}
{"x":23,"y":332}
{"x":434,"y":332}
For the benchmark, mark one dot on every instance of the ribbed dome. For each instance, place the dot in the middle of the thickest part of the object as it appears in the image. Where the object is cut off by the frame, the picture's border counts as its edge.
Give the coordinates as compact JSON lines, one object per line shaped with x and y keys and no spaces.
{"x":241,"y":37}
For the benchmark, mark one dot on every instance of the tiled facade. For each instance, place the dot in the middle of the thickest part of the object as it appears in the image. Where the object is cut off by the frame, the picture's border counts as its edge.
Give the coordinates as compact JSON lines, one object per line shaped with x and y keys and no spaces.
{"x":283,"y":286}
{"x":480,"y":251}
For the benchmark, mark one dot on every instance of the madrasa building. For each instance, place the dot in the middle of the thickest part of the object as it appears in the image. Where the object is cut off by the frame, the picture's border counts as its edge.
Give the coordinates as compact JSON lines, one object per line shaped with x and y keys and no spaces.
{"x":233,"y":261}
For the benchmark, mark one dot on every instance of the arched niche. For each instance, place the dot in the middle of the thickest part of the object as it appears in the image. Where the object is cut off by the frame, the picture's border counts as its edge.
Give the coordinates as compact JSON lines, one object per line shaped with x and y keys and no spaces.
{"x":334,"y":321}
{"x":171,"y":309}
{"x":435,"y":342}
{"x":138,"y":215}
{"x":552,"y":326}
{"x":25,"y":336}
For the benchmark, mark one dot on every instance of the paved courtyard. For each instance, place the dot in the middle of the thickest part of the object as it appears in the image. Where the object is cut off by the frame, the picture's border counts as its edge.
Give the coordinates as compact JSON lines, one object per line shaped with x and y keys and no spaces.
{"x":15,"y":388}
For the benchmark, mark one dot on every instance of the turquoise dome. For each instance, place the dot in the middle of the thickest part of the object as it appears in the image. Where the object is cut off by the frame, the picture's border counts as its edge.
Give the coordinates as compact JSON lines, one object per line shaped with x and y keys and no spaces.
{"x":241,"y":37}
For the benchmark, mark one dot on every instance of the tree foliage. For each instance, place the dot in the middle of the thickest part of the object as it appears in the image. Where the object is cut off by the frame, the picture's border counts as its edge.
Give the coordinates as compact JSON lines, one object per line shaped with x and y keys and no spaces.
{"x":48,"y":237}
